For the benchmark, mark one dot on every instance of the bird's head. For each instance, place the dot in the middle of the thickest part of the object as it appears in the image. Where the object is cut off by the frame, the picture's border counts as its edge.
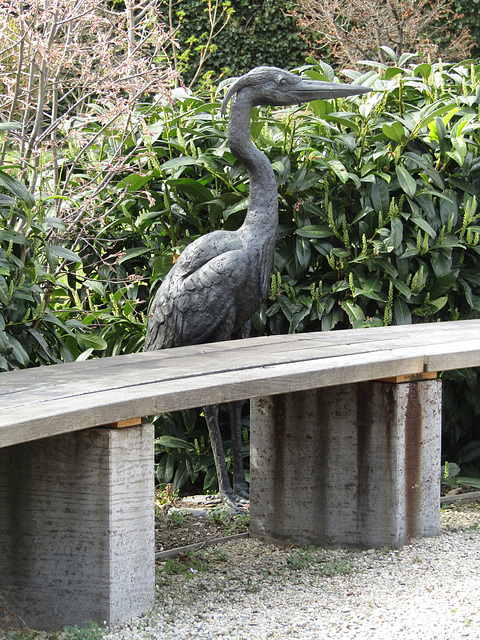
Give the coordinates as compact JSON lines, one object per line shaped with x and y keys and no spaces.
{"x":273,"y":86}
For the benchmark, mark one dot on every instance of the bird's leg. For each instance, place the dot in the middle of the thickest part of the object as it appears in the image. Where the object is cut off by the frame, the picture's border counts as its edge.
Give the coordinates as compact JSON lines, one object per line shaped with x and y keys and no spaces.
{"x":224,"y":486}
{"x":240,"y":486}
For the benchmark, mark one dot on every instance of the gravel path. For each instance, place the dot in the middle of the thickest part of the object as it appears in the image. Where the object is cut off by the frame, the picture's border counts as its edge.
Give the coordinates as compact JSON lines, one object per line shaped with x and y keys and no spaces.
{"x":246,"y":590}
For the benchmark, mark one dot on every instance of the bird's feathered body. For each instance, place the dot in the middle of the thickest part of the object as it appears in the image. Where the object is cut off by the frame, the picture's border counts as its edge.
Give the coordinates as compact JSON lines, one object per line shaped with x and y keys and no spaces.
{"x":212,"y":290}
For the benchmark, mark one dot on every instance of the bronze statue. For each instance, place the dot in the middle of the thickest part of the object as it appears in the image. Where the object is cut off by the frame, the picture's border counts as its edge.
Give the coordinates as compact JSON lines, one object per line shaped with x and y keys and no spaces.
{"x":219,"y":281}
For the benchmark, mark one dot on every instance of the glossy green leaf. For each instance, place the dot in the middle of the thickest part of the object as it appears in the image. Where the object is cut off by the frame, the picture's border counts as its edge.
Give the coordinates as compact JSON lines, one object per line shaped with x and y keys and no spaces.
{"x":177,"y":163}
{"x":423,"y":224}
{"x":401,"y":312}
{"x":315,"y":231}
{"x":407,"y":183}
{"x":192,"y":187}
{"x":339,"y":170}
{"x":380,"y":195}
{"x":423,"y":70}
{"x":303,"y":252}
{"x":134,"y":182}
{"x":444,"y":284}
{"x":133,"y":252}
{"x":394,"y":131}
{"x":63,"y":252}
{"x":93,"y":342}
{"x":353,"y":310}
{"x":402,"y":288}
{"x":391,"y":72}
{"x":173,"y":442}
{"x":439,"y":303}
{"x":389,"y":51}
{"x":397,"y":232}
{"x":17,"y":188}
{"x":10,"y":126}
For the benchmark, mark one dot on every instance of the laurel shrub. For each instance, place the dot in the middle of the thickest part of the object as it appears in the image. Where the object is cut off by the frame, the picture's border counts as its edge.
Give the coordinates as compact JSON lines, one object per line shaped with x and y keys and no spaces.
{"x":379,"y":225}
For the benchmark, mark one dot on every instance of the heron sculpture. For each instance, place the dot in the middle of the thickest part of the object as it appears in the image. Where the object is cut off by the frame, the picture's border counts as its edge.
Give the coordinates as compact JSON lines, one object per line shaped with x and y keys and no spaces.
{"x":220,"y":279}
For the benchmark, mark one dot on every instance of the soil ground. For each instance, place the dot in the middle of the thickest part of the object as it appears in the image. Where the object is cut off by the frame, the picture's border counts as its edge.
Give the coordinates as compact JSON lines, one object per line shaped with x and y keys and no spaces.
{"x":177,"y":526}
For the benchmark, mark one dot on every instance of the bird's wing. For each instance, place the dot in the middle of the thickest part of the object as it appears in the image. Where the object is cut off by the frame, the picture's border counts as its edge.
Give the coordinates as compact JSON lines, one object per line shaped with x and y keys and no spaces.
{"x":204,"y":249}
{"x":198,"y":296}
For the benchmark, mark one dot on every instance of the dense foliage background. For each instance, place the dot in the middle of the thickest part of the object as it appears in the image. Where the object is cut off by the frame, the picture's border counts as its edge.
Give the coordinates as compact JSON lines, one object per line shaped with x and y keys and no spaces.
{"x":379,"y":224}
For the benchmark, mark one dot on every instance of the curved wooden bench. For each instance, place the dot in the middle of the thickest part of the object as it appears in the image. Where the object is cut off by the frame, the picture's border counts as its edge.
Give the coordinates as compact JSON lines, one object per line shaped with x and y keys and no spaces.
{"x":345,"y":450}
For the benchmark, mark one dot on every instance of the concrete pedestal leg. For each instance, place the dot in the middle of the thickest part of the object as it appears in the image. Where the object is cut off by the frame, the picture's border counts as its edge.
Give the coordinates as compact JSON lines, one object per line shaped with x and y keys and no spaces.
{"x":77,"y":527}
{"x":352,"y":465}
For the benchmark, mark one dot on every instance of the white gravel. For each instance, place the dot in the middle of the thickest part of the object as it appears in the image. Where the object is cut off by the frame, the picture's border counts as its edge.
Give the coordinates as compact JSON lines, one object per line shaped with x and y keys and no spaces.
{"x":246,"y":590}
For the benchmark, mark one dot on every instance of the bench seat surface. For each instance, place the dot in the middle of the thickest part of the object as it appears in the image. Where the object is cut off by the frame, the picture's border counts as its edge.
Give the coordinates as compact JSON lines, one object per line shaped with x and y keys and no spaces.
{"x":46,"y":401}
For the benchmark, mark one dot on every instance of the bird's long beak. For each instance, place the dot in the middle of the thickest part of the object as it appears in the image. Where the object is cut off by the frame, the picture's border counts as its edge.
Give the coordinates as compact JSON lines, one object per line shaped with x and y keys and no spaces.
{"x":307,"y":90}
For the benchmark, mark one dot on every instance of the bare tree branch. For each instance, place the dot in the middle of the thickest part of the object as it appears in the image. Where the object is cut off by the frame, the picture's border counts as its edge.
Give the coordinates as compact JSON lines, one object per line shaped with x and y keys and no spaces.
{"x":351,"y":29}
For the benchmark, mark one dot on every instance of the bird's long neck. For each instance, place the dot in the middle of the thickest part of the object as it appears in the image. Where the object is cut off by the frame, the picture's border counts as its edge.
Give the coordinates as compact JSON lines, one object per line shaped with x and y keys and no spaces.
{"x":262,"y":216}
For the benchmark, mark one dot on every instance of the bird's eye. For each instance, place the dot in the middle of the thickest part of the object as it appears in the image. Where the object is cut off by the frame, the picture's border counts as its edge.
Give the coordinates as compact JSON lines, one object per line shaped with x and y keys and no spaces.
{"x":282,"y":82}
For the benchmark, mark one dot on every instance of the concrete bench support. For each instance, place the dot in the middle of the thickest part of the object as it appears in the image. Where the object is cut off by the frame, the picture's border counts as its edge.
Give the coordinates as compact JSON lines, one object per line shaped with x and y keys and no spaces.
{"x":77,"y":527}
{"x":355,"y":465}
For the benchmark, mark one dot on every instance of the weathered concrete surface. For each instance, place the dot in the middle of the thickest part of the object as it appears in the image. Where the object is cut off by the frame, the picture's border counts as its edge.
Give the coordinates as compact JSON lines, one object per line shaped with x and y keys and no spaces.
{"x":355,"y":465}
{"x":77,"y":527}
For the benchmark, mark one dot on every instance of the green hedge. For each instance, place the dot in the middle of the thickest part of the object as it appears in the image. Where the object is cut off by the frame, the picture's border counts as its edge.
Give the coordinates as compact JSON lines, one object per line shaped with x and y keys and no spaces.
{"x":378,"y":225}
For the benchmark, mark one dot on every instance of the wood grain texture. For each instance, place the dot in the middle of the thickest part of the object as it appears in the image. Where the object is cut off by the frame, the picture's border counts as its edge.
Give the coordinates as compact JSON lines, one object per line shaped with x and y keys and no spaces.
{"x":121,"y":424}
{"x":46,"y":401}
{"x":411,"y":377}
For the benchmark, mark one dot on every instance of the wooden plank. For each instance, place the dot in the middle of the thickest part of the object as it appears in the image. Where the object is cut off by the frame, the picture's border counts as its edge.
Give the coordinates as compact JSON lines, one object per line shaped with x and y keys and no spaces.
{"x":410,"y":377}
{"x":107,"y":372}
{"x":49,"y":400}
{"x":144,"y":374}
{"x":463,"y":498}
{"x":160,"y":556}
{"x":456,"y":355}
{"x":64,"y":380}
{"x":147,"y":376}
{"x":88,"y":410}
{"x":121,"y":424}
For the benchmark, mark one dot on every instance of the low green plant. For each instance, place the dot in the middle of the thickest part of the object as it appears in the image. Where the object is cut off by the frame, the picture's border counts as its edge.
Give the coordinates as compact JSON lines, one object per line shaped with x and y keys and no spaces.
{"x":301,"y":558}
{"x":232,"y":523}
{"x":187,"y":563}
{"x":165,"y":495}
{"x":93,"y":632}
{"x":251,"y":585}
{"x":304,"y":558}
{"x":240,"y":524}
{"x":452,"y":480}
{"x":172,"y":566}
{"x":176,"y":518}
{"x":336,"y":568}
